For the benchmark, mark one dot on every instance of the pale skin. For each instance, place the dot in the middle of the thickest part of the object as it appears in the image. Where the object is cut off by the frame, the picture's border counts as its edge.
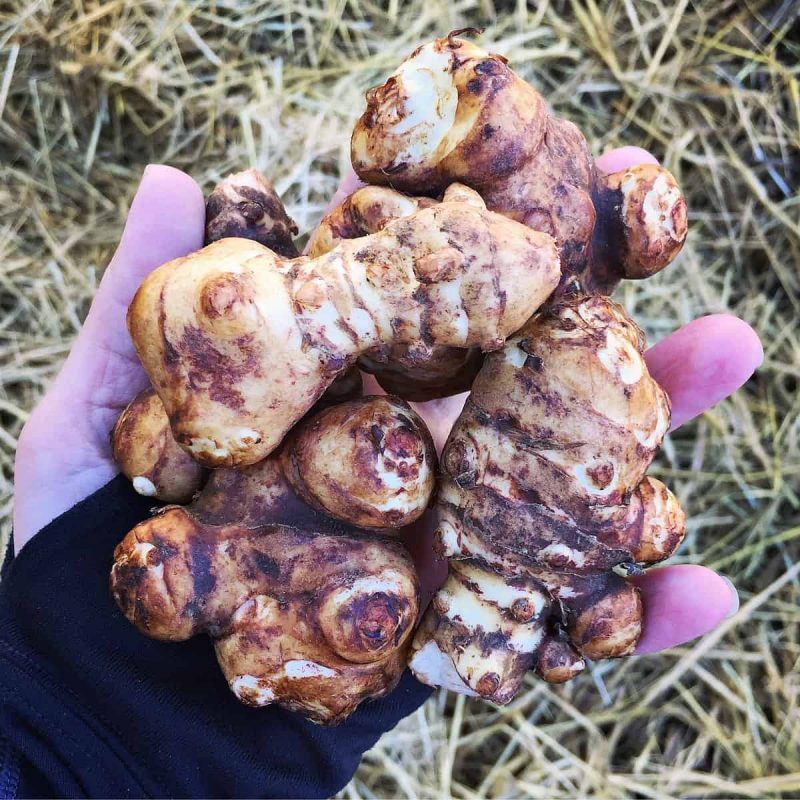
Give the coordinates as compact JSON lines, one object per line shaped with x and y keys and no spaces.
{"x":64,"y":454}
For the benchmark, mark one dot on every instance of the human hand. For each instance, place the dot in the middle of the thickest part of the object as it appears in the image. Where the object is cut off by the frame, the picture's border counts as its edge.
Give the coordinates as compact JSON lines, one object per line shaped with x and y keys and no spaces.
{"x":64,"y":453}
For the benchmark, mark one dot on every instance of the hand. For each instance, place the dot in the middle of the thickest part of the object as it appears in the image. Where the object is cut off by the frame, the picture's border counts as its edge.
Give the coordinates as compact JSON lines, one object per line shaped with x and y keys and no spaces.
{"x":64,"y":454}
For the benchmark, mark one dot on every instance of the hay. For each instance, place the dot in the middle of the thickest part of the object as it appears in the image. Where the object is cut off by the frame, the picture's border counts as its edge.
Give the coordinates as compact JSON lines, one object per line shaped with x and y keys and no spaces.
{"x":91,"y":92}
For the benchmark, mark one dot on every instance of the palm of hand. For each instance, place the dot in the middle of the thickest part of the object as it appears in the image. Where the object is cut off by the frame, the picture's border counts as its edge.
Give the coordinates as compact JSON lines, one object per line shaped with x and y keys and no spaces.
{"x":64,"y":453}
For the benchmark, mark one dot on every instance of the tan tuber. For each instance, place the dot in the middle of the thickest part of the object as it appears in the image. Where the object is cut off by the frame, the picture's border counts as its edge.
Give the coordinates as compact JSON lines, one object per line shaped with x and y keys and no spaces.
{"x":453,"y":112}
{"x":240,"y":343}
{"x":146,"y":453}
{"x":246,"y":205}
{"x":543,"y":497}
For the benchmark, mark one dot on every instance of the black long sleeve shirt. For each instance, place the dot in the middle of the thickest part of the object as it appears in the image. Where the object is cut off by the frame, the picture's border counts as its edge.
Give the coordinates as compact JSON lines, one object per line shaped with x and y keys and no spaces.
{"x":89,"y":707}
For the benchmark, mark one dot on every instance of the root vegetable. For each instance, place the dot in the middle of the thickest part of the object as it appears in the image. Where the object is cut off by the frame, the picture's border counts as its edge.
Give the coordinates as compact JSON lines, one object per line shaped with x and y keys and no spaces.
{"x":418,"y":371}
{"x":240,"y":343}
{"x":453,"y":112}
{"x":367,"y":210}
{"x":307,"y":608}
{"x":543,"y":498}
{"x":146,"y":453}
{"x":246,"y":205}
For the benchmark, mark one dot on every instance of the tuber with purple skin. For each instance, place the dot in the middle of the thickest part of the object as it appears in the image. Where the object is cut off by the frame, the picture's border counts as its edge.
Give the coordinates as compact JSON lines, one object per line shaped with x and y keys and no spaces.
{"x":310,"y":602}
{"x":453,"y":112}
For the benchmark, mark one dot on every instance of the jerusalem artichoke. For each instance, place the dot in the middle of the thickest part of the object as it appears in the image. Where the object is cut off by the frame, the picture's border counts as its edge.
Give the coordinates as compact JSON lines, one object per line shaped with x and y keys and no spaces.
{"x":246,"y":205}
{"x":453,"y":112}
{"x":240,"y":343}
{"x":543,"y":496}
{"x":417,"y":371}
{"x":146,"y":453}
{"x":308,"y":608}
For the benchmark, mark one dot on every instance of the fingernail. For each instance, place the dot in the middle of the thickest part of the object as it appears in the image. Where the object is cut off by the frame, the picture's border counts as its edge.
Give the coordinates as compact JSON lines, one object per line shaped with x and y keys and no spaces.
{"x":734,"y":597}
{"x":145,"y":176}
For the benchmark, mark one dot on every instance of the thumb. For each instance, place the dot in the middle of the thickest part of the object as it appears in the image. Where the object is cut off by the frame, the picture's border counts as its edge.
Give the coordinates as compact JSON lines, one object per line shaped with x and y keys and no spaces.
{"x":166,"y":221}
{"x":63,"y":453}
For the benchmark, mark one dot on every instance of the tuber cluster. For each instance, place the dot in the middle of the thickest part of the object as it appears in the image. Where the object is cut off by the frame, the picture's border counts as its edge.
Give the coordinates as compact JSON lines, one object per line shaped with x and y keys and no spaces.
{"x":453,"y":112}
{"x":291,"y":565}
{"x":478,"y":257}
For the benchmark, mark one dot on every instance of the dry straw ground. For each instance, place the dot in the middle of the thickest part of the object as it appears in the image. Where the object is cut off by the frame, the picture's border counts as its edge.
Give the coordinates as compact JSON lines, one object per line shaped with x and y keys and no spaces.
{"x":92,"y":91}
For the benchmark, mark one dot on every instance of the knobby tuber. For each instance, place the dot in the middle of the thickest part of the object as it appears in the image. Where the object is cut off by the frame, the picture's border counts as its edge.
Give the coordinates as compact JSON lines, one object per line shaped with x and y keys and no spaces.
{"x":146,"y":452}
{"x":310,"y":601}
{"x":488,"y":230}
{"x":246,"y":205}
{"x":239,"y":343}
{"x":453,"y":112}
{"x":543,"y":496}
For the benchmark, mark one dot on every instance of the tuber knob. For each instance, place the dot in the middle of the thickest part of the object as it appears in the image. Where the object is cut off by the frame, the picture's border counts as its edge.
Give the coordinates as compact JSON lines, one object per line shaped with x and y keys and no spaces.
{"x":364,"y":621}
{"x":370,"y":462}
{"x":145,"y":451}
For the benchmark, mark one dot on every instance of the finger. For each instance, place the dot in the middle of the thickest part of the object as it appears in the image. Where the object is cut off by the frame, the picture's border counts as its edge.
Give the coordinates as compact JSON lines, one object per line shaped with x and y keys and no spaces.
{"x":704,"y":362}
{"x":440,"y":416}
{"x":622,"y":158}
{"x":430,"y":567}
{"x":166,"y":220}
{"x":681,"y":603}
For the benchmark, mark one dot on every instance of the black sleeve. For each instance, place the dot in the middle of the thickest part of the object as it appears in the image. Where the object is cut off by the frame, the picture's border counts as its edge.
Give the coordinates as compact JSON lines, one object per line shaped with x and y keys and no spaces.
{"x":90,"y":707}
